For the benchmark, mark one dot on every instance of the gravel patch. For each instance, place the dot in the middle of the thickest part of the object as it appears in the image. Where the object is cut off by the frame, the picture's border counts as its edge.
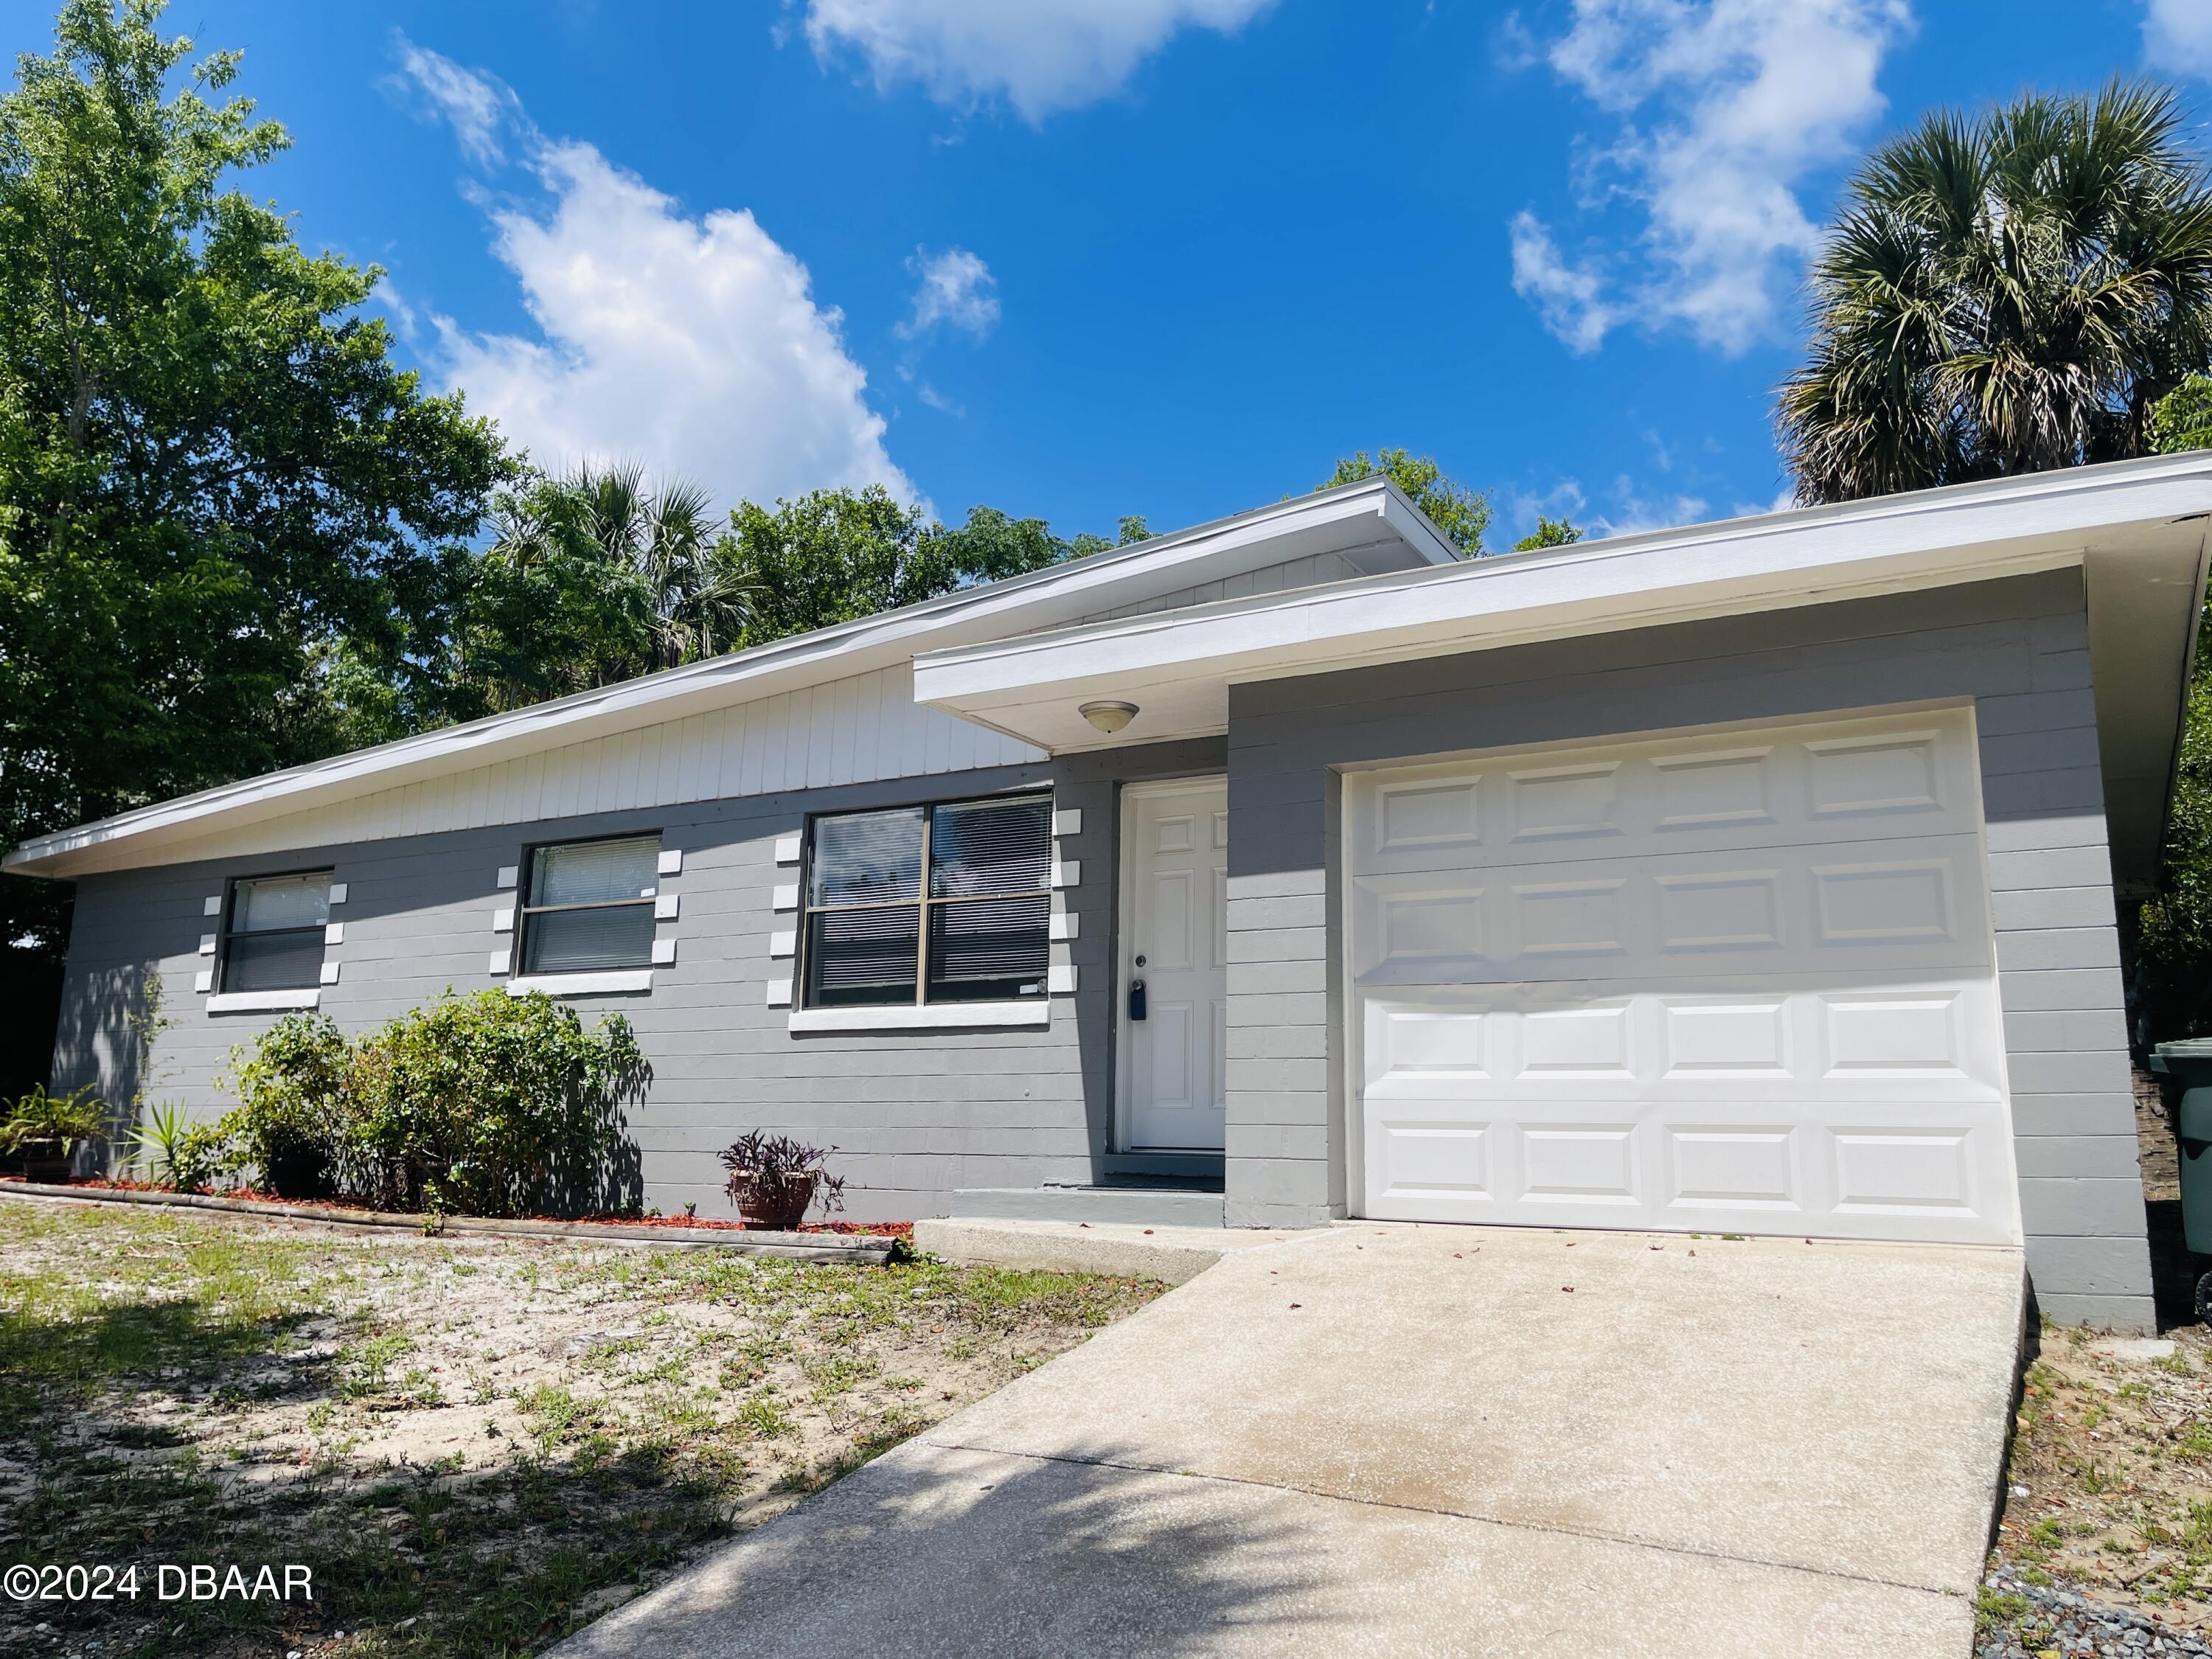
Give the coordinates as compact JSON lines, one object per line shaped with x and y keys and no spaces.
{"x":2059,"y":1623}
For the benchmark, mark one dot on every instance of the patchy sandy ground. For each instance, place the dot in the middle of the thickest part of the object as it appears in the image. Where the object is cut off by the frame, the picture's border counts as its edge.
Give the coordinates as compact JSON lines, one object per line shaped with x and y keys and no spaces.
{"x":475,"y":1444}
{"x":2111,"y":1482}
{"x":2110,"y":1487}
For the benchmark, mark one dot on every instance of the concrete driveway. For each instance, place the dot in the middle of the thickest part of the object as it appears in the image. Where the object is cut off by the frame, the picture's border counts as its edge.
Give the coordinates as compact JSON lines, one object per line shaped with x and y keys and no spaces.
{"x":1431,"y":1440}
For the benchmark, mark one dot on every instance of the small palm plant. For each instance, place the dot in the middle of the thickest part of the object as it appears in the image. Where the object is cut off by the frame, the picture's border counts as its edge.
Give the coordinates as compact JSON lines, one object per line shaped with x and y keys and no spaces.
{"x":161,"y":1140}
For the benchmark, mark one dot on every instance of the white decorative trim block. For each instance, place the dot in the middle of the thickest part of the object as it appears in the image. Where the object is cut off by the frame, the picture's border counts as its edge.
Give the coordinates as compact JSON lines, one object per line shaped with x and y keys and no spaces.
{"x":1067,"y":873}
{"x":664,"y":952}
{"x":338,"y":893}
{"x":1060,"y":980}
{"x":1067,"y":821}
{"x":502,"y":921}
{"x":671,"y":860}
{"x":334,"y":934}
{"x":214,"y":905}
{"x":779,"y":993}
{"x":664,"y":908}
{"x":203,"y":981}
{"x":787,"y":849}
{"x":583,"y":985}
{"x":785,"y":897}
{"x":1063,"y":925}
{"x":329,"y":973}
{"x":499,"y":961}
{"x":943,"y":1016}
{"x":207,"y":944}
{"x":509,"y":874}
{"x":259,"y":1002}
{"x":784,"y":943}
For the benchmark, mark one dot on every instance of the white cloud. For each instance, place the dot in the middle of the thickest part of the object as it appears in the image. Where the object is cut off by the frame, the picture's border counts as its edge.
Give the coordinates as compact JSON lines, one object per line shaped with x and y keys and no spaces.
{"x":1040,"y":55}
{"x":1633,"y":511}
{"x":694,"y":344}
{"x":1568,"y":297}
{"x":2178,"y":37}
{"x":1724,"y":108}
{"x":957,"y":289}
{"x":474,"y":107}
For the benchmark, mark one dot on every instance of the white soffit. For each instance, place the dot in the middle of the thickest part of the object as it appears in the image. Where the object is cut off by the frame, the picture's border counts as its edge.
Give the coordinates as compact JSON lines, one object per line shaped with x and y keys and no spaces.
{"x":1177,"y":666}
{"x":1369,"y":517}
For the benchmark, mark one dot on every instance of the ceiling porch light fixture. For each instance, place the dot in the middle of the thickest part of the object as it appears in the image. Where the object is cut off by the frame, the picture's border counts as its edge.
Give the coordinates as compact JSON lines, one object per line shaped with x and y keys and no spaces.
{"x":1109,"y":717}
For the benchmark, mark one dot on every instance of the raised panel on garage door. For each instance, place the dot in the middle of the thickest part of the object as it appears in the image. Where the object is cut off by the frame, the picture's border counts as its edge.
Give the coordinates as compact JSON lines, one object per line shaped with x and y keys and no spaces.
{"x":1736,"y":981}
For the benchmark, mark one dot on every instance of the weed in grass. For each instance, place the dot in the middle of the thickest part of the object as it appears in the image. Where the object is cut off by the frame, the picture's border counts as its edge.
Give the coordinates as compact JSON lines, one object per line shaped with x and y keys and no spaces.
{"x":765,"y":1418}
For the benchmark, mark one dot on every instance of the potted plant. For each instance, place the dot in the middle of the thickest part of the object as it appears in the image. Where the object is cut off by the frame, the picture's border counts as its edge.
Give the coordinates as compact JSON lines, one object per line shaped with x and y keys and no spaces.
{"x":42,"y":1132}
{"x":774,"y":1180}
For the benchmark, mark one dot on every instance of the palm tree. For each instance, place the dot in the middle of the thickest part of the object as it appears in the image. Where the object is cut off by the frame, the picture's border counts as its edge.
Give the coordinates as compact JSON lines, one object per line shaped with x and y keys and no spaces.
{"x":666,"y":536}
{"x":2004,"y":295}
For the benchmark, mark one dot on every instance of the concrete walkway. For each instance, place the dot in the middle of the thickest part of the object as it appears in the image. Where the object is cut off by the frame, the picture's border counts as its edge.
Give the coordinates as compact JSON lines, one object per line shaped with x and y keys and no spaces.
{"x":1431,"y":1440}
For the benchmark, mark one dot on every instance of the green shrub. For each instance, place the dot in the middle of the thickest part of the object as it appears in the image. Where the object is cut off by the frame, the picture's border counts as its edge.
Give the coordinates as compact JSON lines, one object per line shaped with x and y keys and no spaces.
{"x":2170,"y":939}
{"x":207,"y":1155}
{"x":481,"y":1105}
{"x":294,"y":1107}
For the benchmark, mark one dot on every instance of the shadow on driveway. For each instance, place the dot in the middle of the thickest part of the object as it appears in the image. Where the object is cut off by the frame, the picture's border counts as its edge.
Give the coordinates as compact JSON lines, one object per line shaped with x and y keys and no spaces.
{"x":946,"y":1550}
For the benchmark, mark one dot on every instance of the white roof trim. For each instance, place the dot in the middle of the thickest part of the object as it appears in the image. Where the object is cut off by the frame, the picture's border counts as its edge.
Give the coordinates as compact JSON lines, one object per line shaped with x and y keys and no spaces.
{"x":1028,"y":687}
{"x":1351,"y":517}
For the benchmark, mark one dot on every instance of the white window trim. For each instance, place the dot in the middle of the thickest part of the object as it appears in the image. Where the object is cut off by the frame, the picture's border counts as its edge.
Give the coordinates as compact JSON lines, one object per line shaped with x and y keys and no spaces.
{"x":577,"y":985}
{"x":924,"y":1017}
{"x":242,"y":1002}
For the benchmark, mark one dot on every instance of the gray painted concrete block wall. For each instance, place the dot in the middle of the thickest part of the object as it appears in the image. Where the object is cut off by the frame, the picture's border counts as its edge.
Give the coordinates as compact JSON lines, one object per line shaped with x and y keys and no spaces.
{"x":914,"y":1115}
{"x":2018,"y":648}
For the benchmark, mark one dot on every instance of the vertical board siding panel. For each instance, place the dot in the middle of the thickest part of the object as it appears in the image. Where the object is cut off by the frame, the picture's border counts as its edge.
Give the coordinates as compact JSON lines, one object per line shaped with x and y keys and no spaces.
{"x":773,"y":718}
{"x":937,"y":742}
{"x":902,"y":720}
{"x":706,"y":781}
{"x":666,"y":776}
{"x":531,"y":803}
{"x":731,"y":764}
{"x":753,"y":758}
{"x":844,"y":722}
{"x":820,"y":739}
{"x":868,"y":718}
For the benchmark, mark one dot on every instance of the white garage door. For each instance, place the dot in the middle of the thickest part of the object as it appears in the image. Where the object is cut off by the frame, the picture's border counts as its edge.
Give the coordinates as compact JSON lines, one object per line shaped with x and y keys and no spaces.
{"x":1735,"y":981}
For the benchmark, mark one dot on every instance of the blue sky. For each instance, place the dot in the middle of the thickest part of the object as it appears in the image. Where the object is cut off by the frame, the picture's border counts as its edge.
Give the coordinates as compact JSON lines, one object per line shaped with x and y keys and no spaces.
{"x":1084,"y":257}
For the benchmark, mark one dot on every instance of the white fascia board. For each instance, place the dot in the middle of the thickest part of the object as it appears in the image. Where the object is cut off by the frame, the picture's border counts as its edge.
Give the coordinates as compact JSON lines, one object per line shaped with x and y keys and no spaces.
{"x":1928,"y":539}
{"x":1346,"y":520}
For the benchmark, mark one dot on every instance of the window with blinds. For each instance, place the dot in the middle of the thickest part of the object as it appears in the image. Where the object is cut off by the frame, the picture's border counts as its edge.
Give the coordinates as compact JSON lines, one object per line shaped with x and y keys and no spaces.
{"x":587,"y":906}
{"x":929,"y":904}
{"x":273,"y":933}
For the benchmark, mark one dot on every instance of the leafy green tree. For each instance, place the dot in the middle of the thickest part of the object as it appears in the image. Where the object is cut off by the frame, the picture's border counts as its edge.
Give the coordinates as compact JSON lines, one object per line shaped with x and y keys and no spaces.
{"x":226,"y":511}
{"x":2005,"y":294}
{"x":1461,"y":513}
{"x":833,"y":556}
{"x":1548,"y":532}
{"x":2172,"y":947}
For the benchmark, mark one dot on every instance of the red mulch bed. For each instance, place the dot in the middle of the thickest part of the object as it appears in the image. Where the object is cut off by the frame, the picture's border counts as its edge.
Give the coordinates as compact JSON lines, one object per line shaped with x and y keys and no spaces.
{"x":869,"y":1228}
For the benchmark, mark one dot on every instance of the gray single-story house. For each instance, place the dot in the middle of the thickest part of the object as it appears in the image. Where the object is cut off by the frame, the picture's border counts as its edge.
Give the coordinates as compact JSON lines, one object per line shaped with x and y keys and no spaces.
{"x":1755,"y":877}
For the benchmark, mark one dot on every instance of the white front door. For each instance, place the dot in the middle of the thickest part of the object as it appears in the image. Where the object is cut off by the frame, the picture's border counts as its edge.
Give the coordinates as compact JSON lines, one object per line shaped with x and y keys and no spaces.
{"x":1175,"y":941}
{"x":1738,"y":981}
